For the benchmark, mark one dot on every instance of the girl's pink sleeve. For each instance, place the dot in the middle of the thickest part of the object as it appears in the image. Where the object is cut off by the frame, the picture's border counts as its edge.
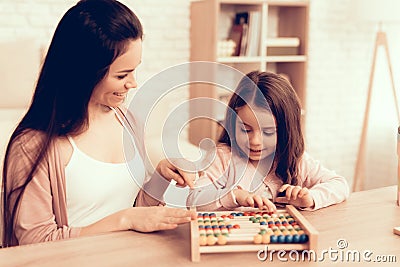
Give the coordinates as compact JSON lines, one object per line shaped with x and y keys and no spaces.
{"x":152,"y":193}
{"x":325,"y":186}
{"x":213,"y":190}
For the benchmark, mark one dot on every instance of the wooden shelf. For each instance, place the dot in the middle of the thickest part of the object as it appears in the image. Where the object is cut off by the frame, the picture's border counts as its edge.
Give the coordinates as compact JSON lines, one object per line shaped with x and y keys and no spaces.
{"x":282,"y":41}
{"x":286,"y":58}
{"x":258,"y":59}
{"x":241,"y":2}
{"x":239,"y":59}
{"x":269,"y":2}
{"x":287,"y":2}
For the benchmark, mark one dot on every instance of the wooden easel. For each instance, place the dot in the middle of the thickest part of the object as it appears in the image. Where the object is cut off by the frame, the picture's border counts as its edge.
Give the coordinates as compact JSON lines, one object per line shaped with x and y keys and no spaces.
{"x":359,"y":174}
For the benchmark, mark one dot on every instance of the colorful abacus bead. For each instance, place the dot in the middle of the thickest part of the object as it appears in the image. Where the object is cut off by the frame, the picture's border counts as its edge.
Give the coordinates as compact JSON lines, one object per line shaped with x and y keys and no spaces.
{"x":274,"y":239}
{"x":303,"y":238}
{"x":288,"y":239}
{"x":257,"y":239}
{"x":202,"y":240}
{"x":222,"y":240}
{"x":211,"y":240}
{"x":281,"y":238}
{"x":224,"y":231}
{"x":296,"y":238}
{"x":266,"y":238}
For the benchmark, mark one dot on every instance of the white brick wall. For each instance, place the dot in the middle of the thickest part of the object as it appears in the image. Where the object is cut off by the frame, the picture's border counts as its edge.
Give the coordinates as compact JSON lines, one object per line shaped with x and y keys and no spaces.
{"x":166,"y":27}
{"x":166,"y":43}
{"x":340,"y":56}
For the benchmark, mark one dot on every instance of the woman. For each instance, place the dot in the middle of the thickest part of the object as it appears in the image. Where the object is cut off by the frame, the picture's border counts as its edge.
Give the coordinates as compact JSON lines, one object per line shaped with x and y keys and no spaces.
{"x":64,"y":172}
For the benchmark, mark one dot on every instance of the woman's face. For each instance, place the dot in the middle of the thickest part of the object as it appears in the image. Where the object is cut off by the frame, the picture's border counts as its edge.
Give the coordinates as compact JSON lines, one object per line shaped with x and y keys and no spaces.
{"x":113,"y":88}
{"x":256,"y":132}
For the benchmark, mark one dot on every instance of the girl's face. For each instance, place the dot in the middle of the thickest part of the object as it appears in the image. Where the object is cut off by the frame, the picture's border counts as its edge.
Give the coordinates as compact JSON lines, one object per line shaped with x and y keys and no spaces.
{"x":256,"y":132}
{"x":113,"y":88}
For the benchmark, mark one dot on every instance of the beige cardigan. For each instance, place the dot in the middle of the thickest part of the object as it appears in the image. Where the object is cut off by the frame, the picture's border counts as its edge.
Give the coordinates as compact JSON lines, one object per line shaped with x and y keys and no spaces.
{"x":42,"y":215}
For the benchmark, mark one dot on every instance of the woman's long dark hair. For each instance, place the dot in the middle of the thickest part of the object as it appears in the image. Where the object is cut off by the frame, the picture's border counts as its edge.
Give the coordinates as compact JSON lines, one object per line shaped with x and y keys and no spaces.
{"x":274,"y":93}
{"x":89,"y":37}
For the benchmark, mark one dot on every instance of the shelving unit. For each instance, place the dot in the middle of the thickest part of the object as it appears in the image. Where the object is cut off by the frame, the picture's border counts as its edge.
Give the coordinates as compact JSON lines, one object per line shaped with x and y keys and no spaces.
{"x":282,"y":47}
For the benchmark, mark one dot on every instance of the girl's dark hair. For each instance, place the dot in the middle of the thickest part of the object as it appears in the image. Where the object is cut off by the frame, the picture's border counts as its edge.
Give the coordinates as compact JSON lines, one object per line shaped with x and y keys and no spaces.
{"x":89,"y":37}
{"x":274,"y":93}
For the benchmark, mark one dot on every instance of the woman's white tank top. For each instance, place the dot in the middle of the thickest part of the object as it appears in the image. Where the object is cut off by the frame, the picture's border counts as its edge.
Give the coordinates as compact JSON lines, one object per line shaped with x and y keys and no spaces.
{"x":96,"y":189}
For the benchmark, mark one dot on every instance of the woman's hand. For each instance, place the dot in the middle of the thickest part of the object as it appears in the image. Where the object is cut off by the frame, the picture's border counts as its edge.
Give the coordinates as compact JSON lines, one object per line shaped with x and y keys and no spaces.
{"x":296,"y":195}
{"x":149,"y":219}
{"x":180,"y":170}
{"x":247,"y":199}
{"x":142,"y":219}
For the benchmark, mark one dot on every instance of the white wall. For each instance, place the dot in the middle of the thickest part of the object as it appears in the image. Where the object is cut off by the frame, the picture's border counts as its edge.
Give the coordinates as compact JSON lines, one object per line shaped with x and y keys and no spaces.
{"x":166,"y":25}
{"x":340,"y":57}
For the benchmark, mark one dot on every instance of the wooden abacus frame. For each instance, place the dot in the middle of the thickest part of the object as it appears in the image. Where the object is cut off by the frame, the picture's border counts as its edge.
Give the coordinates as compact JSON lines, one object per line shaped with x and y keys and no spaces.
{"x":311,"y":244}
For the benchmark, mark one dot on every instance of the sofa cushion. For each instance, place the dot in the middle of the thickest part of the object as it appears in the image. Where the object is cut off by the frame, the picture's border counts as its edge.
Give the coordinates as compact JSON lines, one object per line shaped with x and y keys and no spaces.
{"x":19,"y":72}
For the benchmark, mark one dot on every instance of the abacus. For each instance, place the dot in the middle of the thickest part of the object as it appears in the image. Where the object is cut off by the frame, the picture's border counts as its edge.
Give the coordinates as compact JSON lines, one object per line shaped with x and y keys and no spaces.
{"x":245,"y":231}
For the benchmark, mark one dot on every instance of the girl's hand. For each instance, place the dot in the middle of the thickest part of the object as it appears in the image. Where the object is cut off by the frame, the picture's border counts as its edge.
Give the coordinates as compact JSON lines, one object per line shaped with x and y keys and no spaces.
{"x":183,"y":175}
{"x":247,"y":199}
{"x":296,"y":195}
{"x":149,"y":219}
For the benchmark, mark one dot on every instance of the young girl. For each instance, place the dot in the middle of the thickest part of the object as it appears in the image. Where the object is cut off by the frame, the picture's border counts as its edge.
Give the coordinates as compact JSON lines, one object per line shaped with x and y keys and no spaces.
{"x":260,"y":158}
